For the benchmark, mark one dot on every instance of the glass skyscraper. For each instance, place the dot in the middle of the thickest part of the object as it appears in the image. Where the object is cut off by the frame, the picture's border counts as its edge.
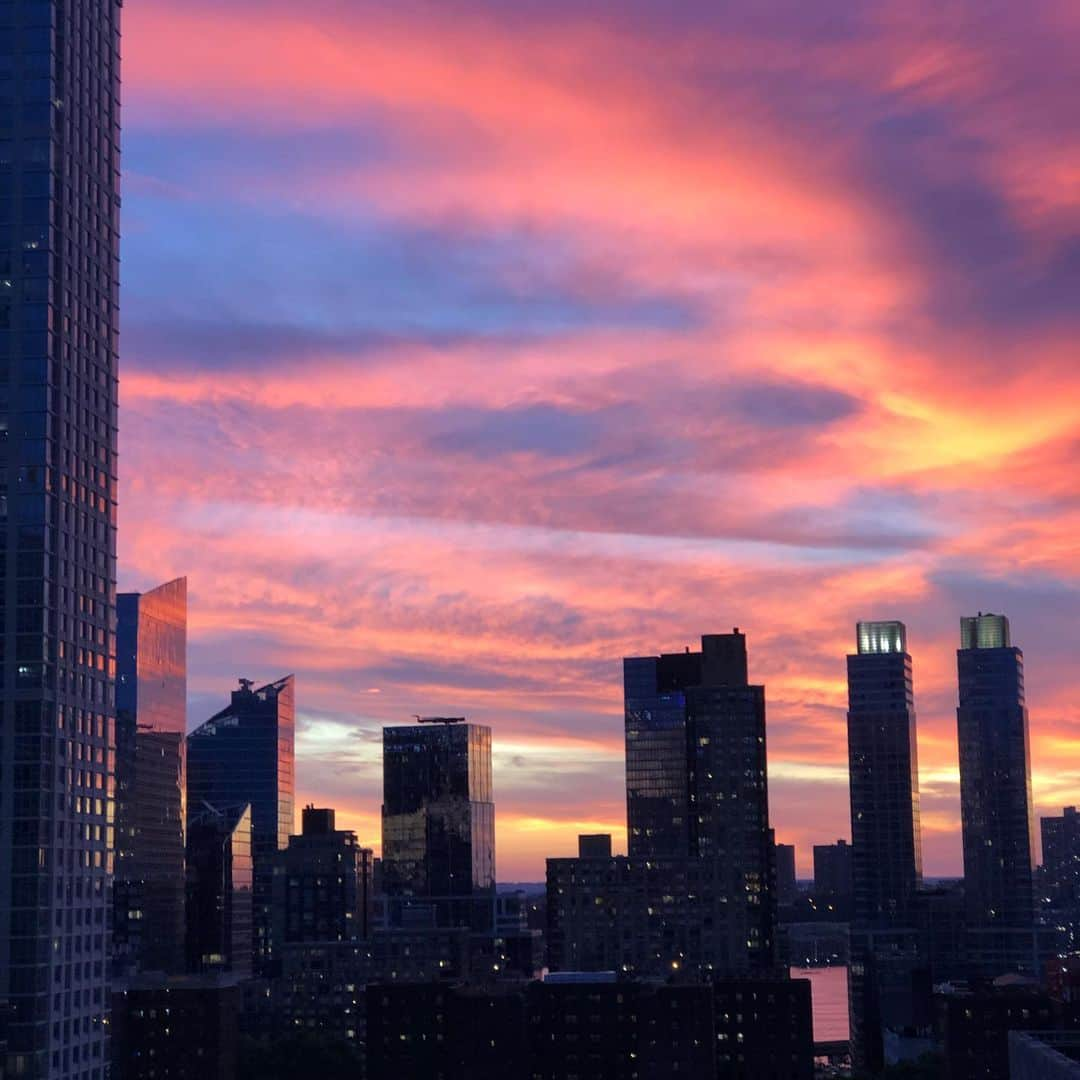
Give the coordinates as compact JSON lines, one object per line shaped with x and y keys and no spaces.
{"x":59,"y":257}
{"x":886,"y":848}
{"x":438,"y":817}
{"x":151,"y":792}
{"x":995,"y":776}
{"x":245,"y":754}
{"x":220,"y":879}
{"x":884,"y":770}
{"x":696,"y":776}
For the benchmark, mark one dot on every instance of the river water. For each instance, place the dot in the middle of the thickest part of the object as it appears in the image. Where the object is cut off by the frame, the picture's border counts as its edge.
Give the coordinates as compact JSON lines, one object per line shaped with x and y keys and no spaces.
{"x":829,"y":988}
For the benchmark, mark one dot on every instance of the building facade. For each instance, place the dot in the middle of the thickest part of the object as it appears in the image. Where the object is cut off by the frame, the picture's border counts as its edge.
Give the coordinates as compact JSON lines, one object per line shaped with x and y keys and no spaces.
{"x":176,"y":1028}
{"x":322,"y":887}
{"x":59,"y":258}
{"x":887,"y":969}
{"x":151,"y":780}
{"x":438,"y":817}
{"x":220,"y":890}
{"x":995,"y":795}
{"x":696,"y":776}
{"x":245,"y":754}
{"x":1061,"y":872}
{"x":786,"y":885}
{"x":886,"y":841}
{"x":833,"y":871}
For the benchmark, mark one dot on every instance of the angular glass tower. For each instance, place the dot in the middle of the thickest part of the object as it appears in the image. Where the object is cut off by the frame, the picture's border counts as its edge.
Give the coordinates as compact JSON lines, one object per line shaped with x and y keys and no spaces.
{"x":151,"y":789}
{"x":219,"y":890}
{"x":884,"y":769}
{"x":59,"y":257}
{"x":995,"y":776}
{"x":438,"y":818}
{"x":245,"y":754}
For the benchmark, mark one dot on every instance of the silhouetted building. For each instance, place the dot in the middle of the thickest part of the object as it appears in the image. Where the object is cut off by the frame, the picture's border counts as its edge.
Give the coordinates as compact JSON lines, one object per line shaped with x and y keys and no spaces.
{"x":245,"y":754}
{"x":888,"y":981}
{"x":995,"y":797}
{"x":438,"y":817}
{"x":975,"y":1025}
{"x":177,"y":1028}
{"x":220,"y":890}
{"x":446,"y":1032}
{"x":832,"y":871}
{"x":59,"y":265}
{"x":322,"y":887}
{"x":696,"y":778}
{"x":941,"y":918}
{"x":1061,"y":872}
{"x":585,"y":1026}
{"x":764,"y":1029}
{"x":151,"y":785}
{"x":786,"y":886}
{"x":886,"y":845}
{"x":649,"y":917}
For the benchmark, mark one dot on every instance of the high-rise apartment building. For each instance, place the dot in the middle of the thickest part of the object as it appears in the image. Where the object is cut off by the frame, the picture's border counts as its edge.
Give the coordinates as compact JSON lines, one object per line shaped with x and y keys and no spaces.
{"x":995,"y":777}
{"x":884,"y":774}
{"x":1060,"y":883}
{"x":59,"y":258}
{"x":322,"y":890}
{"x":245,"y":754}
{"x":832,"y":871}
{"x":151,"y":790}
{"x":438,"y":817}
{"x":886,"y":853}
{"x":696,"y":778}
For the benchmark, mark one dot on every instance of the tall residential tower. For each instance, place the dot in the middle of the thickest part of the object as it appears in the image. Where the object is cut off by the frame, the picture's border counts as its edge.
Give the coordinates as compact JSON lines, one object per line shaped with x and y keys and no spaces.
{"x":886,"y":844}
{"x":59,"y":258}
{"x":995,"y":795}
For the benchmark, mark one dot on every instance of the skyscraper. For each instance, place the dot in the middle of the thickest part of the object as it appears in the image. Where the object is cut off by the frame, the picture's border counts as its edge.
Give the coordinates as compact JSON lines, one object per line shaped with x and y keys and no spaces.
{"x":59,"y":257}
{"x":995,"y":776}
{"x":696,"y":779}
{"x":884,"y":770}
{"x":151,"y":791}
{"x":438,"y":818}
{"x":886,"y":857}
{"x":245,"y":754}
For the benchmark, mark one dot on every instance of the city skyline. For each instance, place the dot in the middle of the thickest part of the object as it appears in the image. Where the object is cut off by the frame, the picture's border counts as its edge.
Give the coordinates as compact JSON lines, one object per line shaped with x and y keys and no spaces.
{"x":560,"y":344}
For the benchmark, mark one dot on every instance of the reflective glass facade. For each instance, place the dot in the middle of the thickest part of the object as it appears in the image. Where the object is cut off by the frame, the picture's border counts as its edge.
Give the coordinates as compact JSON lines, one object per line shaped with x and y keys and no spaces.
{"x":151,"y":791}
{"x":438,"y":817}
{"x":883,"y":764}
{"x":59,"y":250}
{"x":696,"y":778}
{"x":245,"y":754}
{"x":995,"y":776}
{"x":220,"y":882}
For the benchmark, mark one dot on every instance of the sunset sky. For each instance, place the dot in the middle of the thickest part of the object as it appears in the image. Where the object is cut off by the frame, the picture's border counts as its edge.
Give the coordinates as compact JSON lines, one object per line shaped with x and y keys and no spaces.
{"x":471,"y":346}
